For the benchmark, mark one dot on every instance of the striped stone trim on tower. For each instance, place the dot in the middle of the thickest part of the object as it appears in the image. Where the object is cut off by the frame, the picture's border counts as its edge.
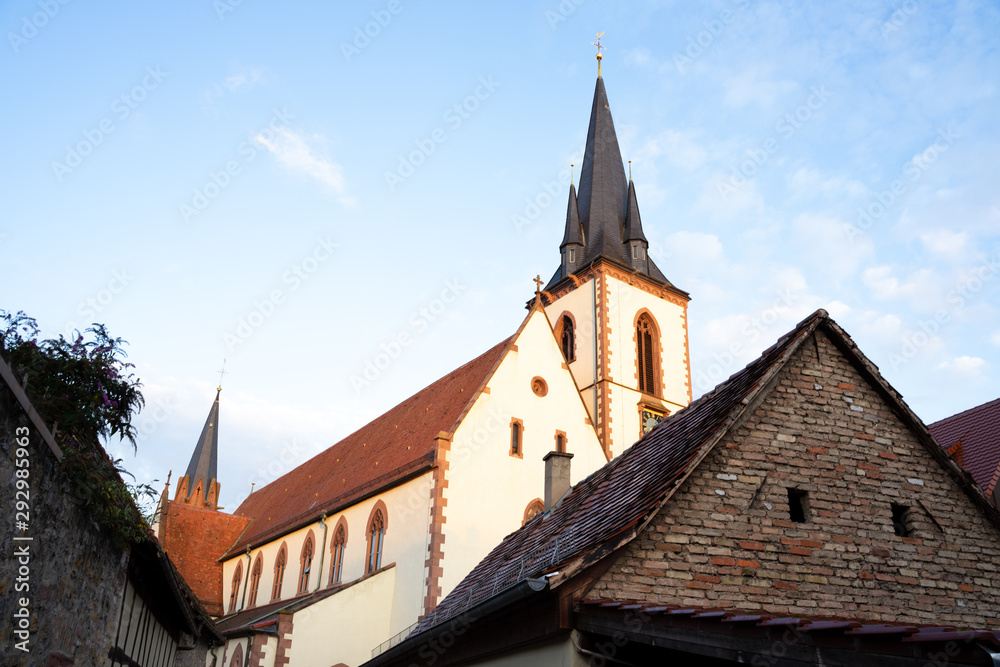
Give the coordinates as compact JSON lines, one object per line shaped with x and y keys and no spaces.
{"x":435,"y":547}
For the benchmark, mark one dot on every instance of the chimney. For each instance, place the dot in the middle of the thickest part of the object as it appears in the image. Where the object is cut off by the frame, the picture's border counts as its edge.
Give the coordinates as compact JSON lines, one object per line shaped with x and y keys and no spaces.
{"x":556,"y":477}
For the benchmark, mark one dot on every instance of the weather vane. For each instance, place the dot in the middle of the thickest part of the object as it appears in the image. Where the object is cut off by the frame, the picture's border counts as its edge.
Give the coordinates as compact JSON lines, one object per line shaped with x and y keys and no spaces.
{"x":599,"y":49}
{"x":222,"y":372}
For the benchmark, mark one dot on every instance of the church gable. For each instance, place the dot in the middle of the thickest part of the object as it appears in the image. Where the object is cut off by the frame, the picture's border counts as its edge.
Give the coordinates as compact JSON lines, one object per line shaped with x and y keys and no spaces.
{"x":824,"y":501}
{"x":529,"y":407}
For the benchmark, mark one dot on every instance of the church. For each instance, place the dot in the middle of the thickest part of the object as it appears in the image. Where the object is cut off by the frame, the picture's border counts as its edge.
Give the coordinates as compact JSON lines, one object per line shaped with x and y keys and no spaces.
{"x":348,"y":551}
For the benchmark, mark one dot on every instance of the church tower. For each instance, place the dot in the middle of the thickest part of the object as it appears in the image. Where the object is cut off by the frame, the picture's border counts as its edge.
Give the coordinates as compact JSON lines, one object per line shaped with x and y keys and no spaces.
{"x":199,"y":486}
{"x":191,"y":529}
{"x":621,"y":324}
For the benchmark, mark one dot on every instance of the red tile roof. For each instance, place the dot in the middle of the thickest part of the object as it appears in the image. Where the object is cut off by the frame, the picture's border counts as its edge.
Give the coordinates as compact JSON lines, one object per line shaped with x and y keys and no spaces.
{"x":973,"y":440}
{"x":385,"y":452}
{"x":606,"y":510}
{"x":195,"y":538}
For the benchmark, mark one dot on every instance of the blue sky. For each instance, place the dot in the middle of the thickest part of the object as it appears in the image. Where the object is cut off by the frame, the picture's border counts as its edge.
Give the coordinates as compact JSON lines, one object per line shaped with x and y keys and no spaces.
{"x":294,"y":186}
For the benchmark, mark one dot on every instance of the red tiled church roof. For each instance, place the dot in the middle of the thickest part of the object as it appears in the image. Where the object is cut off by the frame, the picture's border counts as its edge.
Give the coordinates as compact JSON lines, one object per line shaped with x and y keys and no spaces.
{"x":973,"y":440}
{"x":382,"y":453}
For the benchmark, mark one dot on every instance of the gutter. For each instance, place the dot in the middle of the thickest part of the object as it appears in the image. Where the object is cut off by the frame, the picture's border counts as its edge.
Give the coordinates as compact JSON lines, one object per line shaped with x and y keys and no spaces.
{"x":466,"y":619}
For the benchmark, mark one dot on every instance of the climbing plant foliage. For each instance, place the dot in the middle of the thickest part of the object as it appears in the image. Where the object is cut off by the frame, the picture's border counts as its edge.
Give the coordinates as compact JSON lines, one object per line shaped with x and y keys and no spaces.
{"x":86,"y":391}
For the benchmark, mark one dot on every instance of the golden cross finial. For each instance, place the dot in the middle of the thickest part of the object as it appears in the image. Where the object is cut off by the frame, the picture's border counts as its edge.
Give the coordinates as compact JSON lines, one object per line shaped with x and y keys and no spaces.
{"x":571,"y":172}
{"x":538,"y":285}
{"x":599,"y":49}
{"x":630,"y":171}
{"x":222,"y":372}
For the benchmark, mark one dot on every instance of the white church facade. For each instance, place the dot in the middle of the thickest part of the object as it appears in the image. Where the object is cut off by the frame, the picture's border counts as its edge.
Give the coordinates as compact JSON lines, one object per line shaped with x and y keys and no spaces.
{"x":351,"y":548}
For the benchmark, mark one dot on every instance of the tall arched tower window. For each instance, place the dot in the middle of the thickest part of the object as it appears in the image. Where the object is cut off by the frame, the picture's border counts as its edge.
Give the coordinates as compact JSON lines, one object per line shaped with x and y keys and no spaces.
{"x":337,"y":554}
{"x":279,"y":572}
{"x":255,"y":573}
{"x":647,"y":346}
{"x":305,"y":563}
{"x":235,"y":589}
{"x":568,"y":340}
{"x":376,"y":534}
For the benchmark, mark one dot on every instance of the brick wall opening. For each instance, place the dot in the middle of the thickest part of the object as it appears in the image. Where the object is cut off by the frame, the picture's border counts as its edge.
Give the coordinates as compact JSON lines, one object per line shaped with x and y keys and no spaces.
{"x":900,"y":520}
{"x":798,"y":505}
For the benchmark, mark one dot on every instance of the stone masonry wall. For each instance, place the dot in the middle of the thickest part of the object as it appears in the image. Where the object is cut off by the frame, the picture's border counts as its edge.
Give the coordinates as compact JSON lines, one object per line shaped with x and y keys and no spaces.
{"x":822,"y":430}
{"x":76,"y":577}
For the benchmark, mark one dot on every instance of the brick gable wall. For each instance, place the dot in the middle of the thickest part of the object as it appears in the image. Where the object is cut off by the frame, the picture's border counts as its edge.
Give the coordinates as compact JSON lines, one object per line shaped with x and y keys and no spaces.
{"x":823,"y":430}
{"x":195,"y":538}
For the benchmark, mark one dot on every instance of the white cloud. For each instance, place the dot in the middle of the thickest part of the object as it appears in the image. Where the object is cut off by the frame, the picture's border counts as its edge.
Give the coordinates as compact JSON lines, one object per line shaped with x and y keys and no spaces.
{"x":807,"y":182}
{"x":921,"y":284}
{"x":721,"y":200}
{"x":821,"y":240}
{"x":751,"y":86}
{"x":292,"y":150}
{"x":946,"y":242}
{"x":248,"y":78}
{"x":680,"y":148}
{"x":638,"y":56}
{"x":970,"y":367}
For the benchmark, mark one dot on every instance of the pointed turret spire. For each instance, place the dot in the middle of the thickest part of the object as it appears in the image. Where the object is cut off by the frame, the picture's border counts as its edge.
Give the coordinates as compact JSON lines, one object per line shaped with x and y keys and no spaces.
{"x":633,"y":222}
{"x":199,"y":485}
{"x":573,"y":238}
{"x":634,"y":238}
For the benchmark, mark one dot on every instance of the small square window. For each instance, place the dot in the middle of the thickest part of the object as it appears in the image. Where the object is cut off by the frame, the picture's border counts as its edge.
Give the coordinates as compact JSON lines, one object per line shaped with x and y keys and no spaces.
{"x":900,"y":520}
{"x":798,"y":505}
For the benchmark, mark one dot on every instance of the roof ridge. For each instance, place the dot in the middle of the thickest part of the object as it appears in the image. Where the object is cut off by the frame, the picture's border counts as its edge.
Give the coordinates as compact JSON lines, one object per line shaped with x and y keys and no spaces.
{"x":967,"y":411}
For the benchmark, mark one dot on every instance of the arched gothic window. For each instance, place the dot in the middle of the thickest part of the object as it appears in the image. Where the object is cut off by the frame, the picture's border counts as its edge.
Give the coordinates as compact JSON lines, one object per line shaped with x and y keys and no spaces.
{"x":337,"y":555}
{"x":646,"y":346}
{"x":255,"y":573}
{"x":279,"y":572}
{"x":235,"y":589}
{"x":376,"y":534}
{"x":568,"y":339}
{"x":237,"y":660}
{"x":305,"y":563}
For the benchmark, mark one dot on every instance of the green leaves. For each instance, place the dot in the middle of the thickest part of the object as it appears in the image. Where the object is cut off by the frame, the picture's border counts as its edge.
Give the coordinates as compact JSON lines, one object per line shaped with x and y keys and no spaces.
{"x":84,"y":384}
{"x":86,"y":388}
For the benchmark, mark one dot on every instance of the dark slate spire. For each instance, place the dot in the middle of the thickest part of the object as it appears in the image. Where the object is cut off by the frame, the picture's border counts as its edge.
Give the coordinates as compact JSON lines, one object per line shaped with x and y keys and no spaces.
{"x":606,"y":206}
{"x":572,"y":244}
{"x":635,"y":240}
{"x":204,"y":461}
{"x":602,"y":184}
{"x":633,"y":223}
{"x":574,"y":233}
